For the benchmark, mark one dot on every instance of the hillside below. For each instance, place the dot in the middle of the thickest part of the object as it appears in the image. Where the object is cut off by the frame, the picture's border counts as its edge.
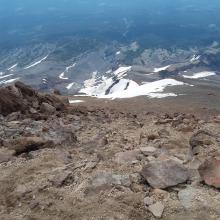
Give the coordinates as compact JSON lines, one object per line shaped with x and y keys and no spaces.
{"x":82,"y":158}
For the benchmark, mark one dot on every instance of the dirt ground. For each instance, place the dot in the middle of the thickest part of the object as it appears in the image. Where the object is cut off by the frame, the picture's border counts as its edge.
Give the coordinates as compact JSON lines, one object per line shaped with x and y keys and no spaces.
{"x":92,"y":168}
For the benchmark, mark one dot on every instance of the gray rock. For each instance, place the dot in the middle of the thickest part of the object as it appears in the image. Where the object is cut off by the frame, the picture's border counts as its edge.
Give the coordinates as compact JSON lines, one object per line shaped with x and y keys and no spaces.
{"x":163,"y":174}
{"x":127,"y":157}
{"x":148,"y":201}
{"x":107,"y":178}
{"x":148,"y":151}
{"x":187,"y":196}
{"x":157,"y":209}
{"x":47,"y":108}
{"x":6,"y":155}
{"x":61,"y":178}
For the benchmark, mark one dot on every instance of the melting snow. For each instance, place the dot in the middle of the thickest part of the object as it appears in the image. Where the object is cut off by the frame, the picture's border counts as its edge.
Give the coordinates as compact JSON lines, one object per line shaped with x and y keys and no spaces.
{"x":152,"y":89}
{"x":75,"y":101}
{"x":200,"y":75}
{"x":35,"y":64}
{"x":156,"y":70}
{"x":118,"y":87}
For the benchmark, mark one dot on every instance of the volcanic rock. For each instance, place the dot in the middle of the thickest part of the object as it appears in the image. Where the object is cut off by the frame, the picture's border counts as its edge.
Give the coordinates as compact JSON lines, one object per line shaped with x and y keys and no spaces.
{"x":26,"y":144}
{"x":157,"y":209}
{"x":127,"y":157}
{"x":9,"y":102}
{"x":148,"y":151}
{"x":210,"y":172}
{"x":47,"y":108}
{"x":163,"y":174}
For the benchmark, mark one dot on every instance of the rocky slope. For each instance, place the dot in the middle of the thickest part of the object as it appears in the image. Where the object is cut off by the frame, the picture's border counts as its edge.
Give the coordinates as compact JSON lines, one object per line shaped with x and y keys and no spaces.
{"x":62,"y":161}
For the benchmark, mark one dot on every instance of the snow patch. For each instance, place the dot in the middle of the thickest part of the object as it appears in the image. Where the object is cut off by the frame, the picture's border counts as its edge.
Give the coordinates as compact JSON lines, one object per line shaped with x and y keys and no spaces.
{"x":156,"y":70}
{"x":200,"y":75}
{"x":152,"y":89}
{"x":36,"y":63}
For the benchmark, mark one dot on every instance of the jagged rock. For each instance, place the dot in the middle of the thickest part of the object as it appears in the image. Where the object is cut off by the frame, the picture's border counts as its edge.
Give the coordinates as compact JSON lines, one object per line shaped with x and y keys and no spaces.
{"x":26,"y":144}
{"x":210,"y":172}
{"x":163,"y":174}
{"x":157,"y":209}
{"x":127,"y":157}
{"x":47,"y":108}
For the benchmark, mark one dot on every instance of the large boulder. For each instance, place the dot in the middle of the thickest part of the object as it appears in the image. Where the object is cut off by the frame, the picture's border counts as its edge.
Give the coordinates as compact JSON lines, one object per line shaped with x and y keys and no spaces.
{"x":165,"y":173}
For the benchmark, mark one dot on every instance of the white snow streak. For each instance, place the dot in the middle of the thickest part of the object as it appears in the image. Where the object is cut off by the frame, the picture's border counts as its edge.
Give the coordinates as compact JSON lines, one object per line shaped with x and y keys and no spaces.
{"x":8,"y":81}
{"x":12,"y":67}
{"x":200,"y":75}
{"x":62,"y":75}
{"x":70,"y":85}
{"x":2,"y":77}
{"x":36,"y":63}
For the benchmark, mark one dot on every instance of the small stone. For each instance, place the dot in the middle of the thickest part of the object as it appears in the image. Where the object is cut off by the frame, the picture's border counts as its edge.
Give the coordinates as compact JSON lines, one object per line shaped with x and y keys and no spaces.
{"x":33,"y":204}
{"x":157,"y":209}
{"x":151,"y":158}
{"x":61,"y":179}
{"x":6,"y":155}
{"x":161,"y":194}
{"x":148,"y":201}
{"x":186,"y":197}
{"x":127,"y":157}
{"x":148,"y":151}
